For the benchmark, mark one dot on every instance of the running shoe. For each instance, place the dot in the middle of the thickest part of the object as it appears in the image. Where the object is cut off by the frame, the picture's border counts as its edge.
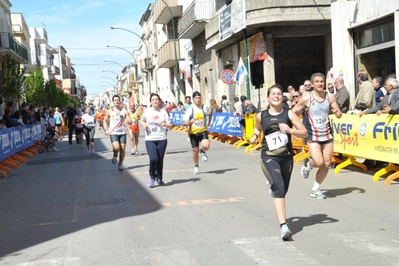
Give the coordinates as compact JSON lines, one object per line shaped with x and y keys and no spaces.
{"x":285,"y":232}
{"x":136,"y":152}
{"x":196,"y":170}
{"x":114,"y":159}
{"x":88,"y":152}
{"x":306,"y":168}
{"x":151,"y":182}
{"x":204,"y":157}
{"x":81,"y":146}
{"x":317,"y":194}
{"x":120,"y":167}
{"x":160,"y":182}
{"x":132,"y":152}
{"x":55,"y":149}
{"x":93,"y":151}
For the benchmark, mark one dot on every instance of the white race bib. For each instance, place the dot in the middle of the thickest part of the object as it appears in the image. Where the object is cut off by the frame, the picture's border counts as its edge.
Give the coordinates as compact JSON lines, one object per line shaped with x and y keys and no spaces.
{"x":199,"y":123}
{"x":276,"y":140}
{"x":320,"y":119}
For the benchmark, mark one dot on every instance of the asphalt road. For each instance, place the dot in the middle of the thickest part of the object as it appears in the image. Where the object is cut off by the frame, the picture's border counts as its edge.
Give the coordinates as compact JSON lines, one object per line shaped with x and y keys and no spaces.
{"x":67,"y":208}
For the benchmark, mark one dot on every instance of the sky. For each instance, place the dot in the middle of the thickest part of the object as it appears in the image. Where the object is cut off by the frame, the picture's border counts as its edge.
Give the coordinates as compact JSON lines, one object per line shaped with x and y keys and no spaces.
{"x":83,"y":29}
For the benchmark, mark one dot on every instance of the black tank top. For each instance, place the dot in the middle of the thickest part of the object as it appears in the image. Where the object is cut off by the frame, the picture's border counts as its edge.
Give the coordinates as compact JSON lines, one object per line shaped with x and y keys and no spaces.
{"x":270,"y":124}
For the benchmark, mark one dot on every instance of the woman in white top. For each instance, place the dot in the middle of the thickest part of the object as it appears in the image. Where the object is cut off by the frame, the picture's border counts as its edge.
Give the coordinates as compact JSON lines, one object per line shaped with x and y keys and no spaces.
{"x":89,"y":129}
{"x":155,"y":120}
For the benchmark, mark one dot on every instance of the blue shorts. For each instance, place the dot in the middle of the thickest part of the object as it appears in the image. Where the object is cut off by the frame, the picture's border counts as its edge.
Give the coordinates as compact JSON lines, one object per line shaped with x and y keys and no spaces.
{"x":118,"y":138}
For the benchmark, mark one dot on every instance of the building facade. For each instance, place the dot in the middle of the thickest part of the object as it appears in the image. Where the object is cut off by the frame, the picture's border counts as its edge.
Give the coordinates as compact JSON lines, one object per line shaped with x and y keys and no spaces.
{"x":365,"y":36}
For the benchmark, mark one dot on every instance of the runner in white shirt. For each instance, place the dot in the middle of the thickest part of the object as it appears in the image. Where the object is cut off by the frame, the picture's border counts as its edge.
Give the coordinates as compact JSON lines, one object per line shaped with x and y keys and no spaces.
{"x":89,"y":129}
{"x":115,"y":127}
{"x":155,"y":120}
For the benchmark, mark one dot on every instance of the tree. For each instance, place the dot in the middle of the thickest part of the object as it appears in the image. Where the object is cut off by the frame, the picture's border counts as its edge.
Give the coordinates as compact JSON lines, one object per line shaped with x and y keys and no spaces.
{"x":34,"y":87}
{"x":11,"y":79}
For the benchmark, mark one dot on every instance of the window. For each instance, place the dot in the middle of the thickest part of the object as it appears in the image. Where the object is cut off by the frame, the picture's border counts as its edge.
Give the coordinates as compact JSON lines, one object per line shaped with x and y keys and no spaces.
{"x":375,"y":34}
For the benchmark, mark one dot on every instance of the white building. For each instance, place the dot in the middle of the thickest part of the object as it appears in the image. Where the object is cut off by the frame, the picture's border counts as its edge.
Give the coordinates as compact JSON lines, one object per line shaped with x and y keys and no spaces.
{"x":365,"y":36}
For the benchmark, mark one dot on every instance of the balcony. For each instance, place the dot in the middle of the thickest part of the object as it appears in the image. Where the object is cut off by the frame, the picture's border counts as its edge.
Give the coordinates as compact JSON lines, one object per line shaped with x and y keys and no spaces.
{"x":166,"y":54}
{"x":54,"y":70}
{"x":193,"y":21}
{"x":162,"y":13}
{"x":9,"y":45}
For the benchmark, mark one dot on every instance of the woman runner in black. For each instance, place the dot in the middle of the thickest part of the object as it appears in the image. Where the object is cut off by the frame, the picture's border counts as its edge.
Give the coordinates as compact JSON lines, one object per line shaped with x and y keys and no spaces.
{"x":278,"y":124}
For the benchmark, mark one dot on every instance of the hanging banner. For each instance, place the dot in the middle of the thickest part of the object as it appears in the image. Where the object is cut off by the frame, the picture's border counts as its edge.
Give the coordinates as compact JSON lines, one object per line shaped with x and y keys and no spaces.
{"x":369,"y":136}
{"x":256,"y":48}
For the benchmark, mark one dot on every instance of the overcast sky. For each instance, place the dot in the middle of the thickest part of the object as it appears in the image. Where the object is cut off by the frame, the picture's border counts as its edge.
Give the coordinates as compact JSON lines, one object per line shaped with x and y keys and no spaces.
{"x":83,"y":28}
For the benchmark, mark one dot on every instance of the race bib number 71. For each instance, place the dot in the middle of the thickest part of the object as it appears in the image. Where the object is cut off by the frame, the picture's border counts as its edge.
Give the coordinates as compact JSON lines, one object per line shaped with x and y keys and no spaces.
{"x":276,"y":140}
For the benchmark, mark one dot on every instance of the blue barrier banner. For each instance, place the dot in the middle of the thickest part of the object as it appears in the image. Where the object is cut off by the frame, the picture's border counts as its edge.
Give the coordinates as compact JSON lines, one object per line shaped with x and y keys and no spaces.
{"x":15,"y":139}
{"x":226,"y":123}
{"x":176,"y":118}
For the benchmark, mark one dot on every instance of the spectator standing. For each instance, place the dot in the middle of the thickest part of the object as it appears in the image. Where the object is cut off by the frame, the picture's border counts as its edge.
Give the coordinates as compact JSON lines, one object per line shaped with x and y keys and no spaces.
{"x":70,"y":113}
{"x":243,"y":98}
{"x":224,"y":104}
{"x":8,"y":118}
{"x":214,"y":106}
{"x":308,"y":85}
{"x":366,"y":94}
{"x":380,"y":91}
{"x":155,"y":120}
{"x":250,"y":108}
{"x":59,"y":121}
{"x":237,"y":106}
{"x":330,"y":88}
{"x":342,"y":95}
{"x":390,"y":103}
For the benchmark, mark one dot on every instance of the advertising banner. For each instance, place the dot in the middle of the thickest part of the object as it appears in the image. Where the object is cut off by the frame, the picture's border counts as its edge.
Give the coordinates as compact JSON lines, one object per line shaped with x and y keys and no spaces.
{"x":369,"y":136}
{"x":15,"y":139}
{"x":222,"y":123}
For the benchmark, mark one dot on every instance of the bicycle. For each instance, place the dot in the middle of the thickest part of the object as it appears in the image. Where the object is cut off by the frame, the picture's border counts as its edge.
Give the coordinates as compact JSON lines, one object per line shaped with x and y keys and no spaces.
{"x":47,"y":143}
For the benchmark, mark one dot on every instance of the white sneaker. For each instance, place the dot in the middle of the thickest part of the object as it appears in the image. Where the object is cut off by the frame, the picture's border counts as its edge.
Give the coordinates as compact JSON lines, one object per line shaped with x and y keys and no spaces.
{"x":88,"y":152}
{"x":196,"y":170}
{"x":55,"y":149}
{"x":93,"y":151}
{"x":204,"y":157}
{"x":120,"y":167}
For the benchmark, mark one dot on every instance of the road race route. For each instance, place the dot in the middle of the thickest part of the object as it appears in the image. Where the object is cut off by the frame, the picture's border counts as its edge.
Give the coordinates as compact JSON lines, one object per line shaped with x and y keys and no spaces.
{"x":190,"y":202}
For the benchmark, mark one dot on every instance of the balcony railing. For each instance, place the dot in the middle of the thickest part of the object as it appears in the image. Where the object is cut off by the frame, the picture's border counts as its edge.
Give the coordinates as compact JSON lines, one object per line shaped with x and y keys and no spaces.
{"x":7,"y":41}
{"x":162,"y":13}
{"x":193,"y":21}
{"x":166,"y":54}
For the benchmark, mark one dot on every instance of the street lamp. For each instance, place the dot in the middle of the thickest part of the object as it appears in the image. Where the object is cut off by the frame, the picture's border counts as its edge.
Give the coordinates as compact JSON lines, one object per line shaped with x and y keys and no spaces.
{"x":106,"y":82}
{"x":111,"y":72}
{"x":117,"y":47}
{"x":146,"y":51}
{"x":108,"y":78}
{"x":134,"y":64}
{"x":174,"y":43}
{"x":113,"y":62}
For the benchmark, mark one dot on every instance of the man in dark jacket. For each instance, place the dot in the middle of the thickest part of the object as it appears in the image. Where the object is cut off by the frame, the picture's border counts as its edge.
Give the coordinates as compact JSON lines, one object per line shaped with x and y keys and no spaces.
{"x":71,"y":112}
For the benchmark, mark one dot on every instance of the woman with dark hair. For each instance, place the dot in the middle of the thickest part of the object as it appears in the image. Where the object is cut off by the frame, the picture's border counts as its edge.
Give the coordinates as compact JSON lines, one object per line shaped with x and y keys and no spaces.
{"x":155,"y":120}
{"x":278,"y":124}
